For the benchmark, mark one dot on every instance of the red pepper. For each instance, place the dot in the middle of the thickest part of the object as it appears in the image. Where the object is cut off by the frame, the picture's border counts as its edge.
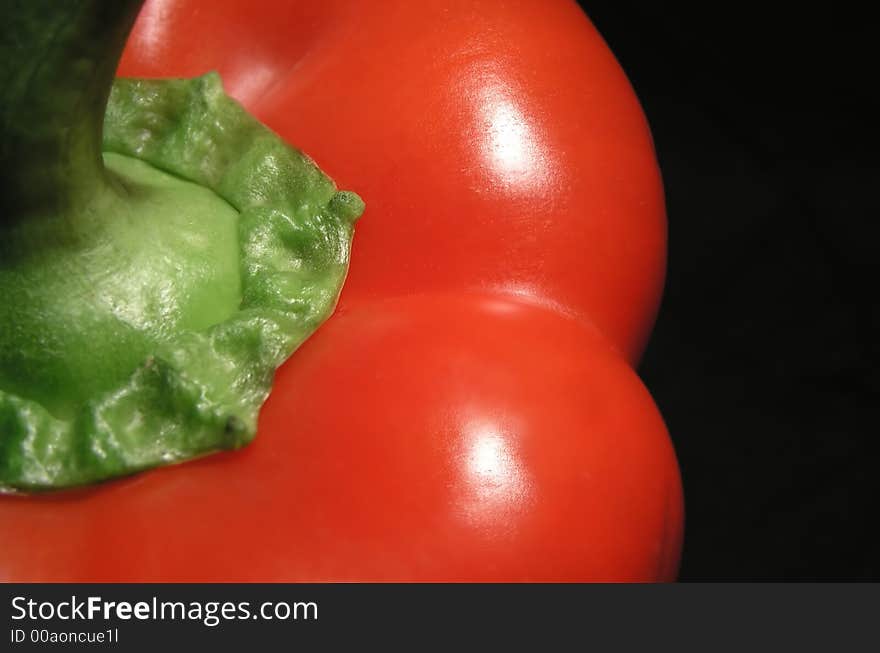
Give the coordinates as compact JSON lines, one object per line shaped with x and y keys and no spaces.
{"x":470,"y":412}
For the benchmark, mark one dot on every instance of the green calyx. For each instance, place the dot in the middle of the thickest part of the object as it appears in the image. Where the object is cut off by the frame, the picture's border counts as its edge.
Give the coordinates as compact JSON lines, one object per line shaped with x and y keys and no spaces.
{"x":149,"y":292}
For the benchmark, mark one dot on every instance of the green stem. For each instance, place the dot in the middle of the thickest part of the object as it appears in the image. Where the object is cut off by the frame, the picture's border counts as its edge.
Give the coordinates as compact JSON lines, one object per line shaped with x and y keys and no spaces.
{"x":58,"y":59}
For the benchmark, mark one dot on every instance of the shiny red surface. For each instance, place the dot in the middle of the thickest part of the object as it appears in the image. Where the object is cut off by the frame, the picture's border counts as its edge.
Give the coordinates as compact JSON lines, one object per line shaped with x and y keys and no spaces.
{"x":470,"y":412}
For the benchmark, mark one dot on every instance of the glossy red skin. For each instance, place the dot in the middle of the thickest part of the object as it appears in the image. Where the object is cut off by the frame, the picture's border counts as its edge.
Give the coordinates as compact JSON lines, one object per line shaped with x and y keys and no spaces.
{"x":470,"y":411}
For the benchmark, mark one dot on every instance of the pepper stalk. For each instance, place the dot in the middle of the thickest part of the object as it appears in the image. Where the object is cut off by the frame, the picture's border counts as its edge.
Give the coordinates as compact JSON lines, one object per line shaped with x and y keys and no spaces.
{"x":161,"y":253}
{"x":58,"y":59}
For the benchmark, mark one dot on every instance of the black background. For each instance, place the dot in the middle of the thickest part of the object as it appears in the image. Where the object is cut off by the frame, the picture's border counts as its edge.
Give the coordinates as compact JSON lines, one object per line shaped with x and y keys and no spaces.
{"x":764,"y":360}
